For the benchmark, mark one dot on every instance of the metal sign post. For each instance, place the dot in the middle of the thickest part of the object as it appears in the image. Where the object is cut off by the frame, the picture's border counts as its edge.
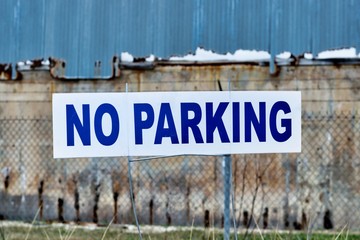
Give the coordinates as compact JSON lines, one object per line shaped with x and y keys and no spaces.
{"x":227,"y":191}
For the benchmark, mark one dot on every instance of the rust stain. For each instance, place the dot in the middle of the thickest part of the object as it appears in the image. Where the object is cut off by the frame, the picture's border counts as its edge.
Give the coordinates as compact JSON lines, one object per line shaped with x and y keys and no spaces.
{"x":5,"y":71}
{"x":97,"y":69}
{"x":36,"y":63}
{"x":57,"y":68}
{"x":6,"y":172}
{"x":40,"y":198}
{"x":71,"y":185}
{"x":116,"y":67}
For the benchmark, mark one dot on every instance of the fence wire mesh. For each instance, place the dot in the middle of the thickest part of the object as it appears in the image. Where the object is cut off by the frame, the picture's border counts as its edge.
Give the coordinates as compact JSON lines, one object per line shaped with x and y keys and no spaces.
{"x":317,"y":188}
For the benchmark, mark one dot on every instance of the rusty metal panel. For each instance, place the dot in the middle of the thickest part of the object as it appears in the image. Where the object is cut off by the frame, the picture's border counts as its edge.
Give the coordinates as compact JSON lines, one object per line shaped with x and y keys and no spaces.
{"x":83,"y":32}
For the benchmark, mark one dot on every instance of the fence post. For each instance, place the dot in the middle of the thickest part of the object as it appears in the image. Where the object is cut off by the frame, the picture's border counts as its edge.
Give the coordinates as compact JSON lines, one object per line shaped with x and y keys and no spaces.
{"x":227,"y":188}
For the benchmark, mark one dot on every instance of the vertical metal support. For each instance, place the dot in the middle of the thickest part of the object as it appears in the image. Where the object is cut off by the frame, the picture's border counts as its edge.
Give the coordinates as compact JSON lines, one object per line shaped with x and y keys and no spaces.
{"x":132,"y":197}
{"x":227,"y":190}
{"x":274,"y":26}
{"x":131,"y":187}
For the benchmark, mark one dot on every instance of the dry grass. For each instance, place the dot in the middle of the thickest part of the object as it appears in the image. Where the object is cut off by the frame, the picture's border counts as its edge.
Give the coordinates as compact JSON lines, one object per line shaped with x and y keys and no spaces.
{"x":36,"y":231}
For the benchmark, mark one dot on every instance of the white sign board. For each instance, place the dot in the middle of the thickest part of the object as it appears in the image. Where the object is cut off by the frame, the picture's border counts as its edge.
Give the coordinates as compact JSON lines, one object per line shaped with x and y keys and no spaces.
{"x":170,"y":123}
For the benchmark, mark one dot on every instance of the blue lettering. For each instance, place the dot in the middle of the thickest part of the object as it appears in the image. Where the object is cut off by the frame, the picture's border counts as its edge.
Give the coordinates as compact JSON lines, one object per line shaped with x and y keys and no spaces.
{"x":73,"y":121}
{"x":141,"y":124}
{"x":286,"y":123}
{"x":214,"y":121}
{"x":161,"y":131}
{"x":259,"y":124}
{"x":187,"y":123}
{"x":115,"y":124}
{"x":236,"y":122}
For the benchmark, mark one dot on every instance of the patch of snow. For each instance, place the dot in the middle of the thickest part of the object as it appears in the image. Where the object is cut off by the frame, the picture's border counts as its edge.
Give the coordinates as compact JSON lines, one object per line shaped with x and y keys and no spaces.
{"x":45,"y":62}
{"x":28,"y":62}
{"x":203,"y":55}
{"x":126,"y":57}
{"x":339,"y":53}
{"x":284,"y":55}
{"x":239,"y":55}
{"x":308,"y":56}
{"x":20,"y":64}
{"x":151,"y":58}
{"x":200,"y":55}
{"x":250,"y":55}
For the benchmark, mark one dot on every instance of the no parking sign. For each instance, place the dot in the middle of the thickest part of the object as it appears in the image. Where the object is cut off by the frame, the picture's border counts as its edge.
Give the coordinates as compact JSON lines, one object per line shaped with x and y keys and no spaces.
{"x":170,"y":123}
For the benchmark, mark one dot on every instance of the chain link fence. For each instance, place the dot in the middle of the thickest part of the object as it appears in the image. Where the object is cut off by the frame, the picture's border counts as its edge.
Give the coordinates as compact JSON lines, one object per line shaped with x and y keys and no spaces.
{"x":317,"y":188}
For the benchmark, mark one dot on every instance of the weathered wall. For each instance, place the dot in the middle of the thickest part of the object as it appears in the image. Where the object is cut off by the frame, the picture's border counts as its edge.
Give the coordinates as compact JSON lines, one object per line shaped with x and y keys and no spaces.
{"x":324,"y":88}
{"x":96,"y":189}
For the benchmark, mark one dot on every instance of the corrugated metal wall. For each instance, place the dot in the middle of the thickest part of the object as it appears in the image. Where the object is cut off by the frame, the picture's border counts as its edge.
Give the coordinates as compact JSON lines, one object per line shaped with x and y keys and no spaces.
{"x":83,"y":31}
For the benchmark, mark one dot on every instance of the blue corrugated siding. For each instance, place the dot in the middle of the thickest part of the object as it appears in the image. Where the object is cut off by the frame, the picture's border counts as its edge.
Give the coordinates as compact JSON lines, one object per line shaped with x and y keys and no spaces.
{"x":83,"y":31}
